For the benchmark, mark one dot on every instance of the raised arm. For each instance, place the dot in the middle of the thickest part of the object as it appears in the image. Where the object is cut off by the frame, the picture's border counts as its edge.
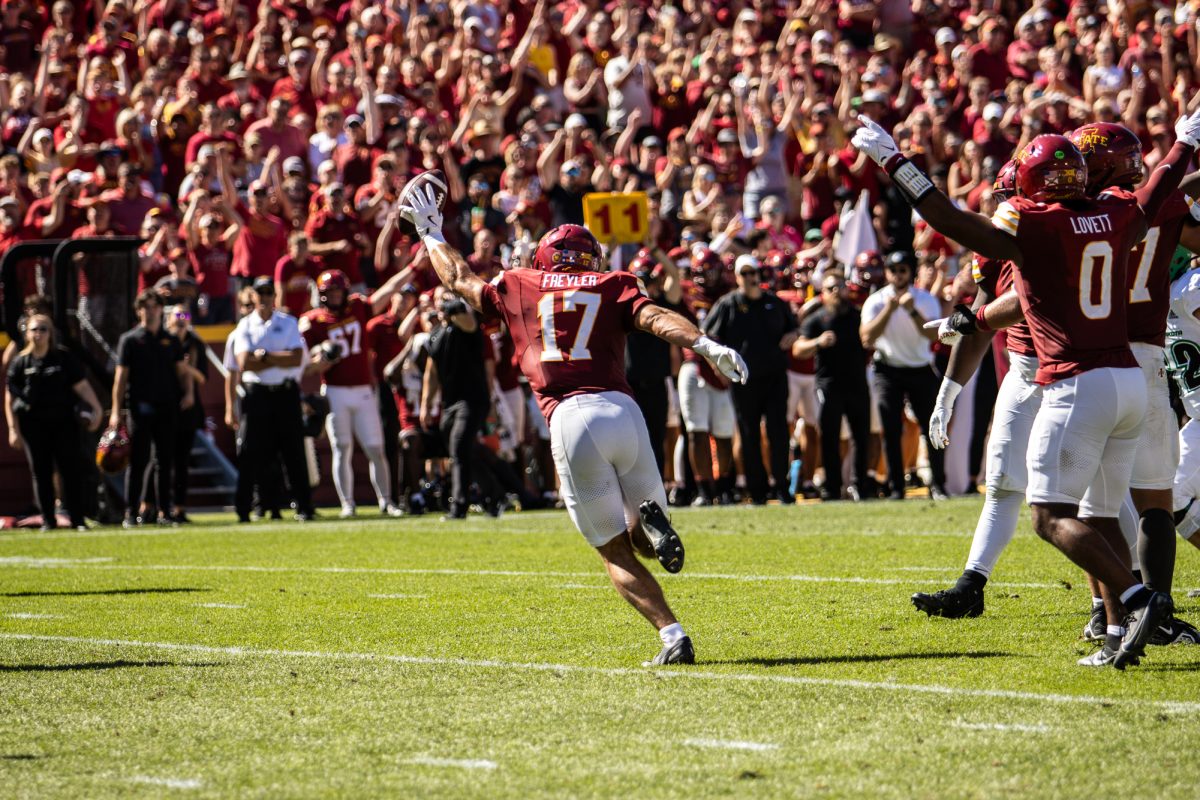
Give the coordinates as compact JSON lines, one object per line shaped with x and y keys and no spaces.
{"x":1166,"y":177}
{"x":971,"y":230}
{"x":422,"y":211}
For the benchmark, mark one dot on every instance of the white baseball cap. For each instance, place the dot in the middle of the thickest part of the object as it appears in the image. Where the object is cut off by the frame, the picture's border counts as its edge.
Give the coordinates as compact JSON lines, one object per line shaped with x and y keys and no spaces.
{"x":993,"y":111}
{"x":745,"y":261}
{"x":946,"y":36}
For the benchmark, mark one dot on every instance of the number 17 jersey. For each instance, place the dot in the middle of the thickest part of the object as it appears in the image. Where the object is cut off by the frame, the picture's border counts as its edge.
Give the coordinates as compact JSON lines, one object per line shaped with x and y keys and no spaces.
{"x":568,"y":328}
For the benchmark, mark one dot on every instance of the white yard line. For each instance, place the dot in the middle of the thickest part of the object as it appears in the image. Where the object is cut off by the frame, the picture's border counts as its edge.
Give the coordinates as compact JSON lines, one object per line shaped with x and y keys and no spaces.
{"x":683,"y":675}
{"x":730,"y":744}
{"x":219,"y":605}
{"x":509,"y":573}
{"x":459,"y":763}
{"x":170,"y":783}
{"x":1001,"y":726}
{"x":398,"y":596}
{"x":29,"y":615}
{"x":39,"y":561}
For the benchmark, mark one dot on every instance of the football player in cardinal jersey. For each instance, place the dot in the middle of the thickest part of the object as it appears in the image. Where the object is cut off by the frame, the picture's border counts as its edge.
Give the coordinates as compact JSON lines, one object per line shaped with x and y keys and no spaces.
{"x":1017,"y":404}
{"x":1069,"y":252}
{"x":568,"y":321}
{"x":1114,"y":159}
{"x":336,"y":335}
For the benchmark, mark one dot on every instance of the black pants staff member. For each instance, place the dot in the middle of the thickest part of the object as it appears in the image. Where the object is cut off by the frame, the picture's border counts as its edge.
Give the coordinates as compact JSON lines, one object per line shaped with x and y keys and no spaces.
{"x":44,"y":382}
{"x":458,"y":364}
{"x":831,"y":334}
{"x":893,"y":322}
{"x":270,"y":354}
{"x":762,"y":328}
{"x":152,"y":381}
{"x":178,"y":322}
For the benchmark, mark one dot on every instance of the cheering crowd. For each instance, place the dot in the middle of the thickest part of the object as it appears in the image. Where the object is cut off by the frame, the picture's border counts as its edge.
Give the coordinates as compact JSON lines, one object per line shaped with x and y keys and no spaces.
{"x":259,"y":147}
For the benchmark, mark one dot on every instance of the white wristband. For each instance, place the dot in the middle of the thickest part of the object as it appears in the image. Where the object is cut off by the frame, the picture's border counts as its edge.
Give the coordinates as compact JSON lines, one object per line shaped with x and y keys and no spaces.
{"x":948,"y":393}
{"x":432,"y":238}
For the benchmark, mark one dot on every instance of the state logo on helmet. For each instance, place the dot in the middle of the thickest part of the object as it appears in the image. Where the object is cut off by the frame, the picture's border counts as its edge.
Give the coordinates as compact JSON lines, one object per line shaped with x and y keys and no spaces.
{"x":332,"y":279}
{"x":567,"y":248}
{"x":113,"y":450}
{"x":1050,"y":168}
{"x":1113,"y":154}
{"x":1005,"y":185}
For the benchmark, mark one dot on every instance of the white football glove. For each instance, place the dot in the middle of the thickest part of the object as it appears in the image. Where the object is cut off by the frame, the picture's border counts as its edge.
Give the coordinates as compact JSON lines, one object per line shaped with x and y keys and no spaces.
{"x":874,"y":140}
{"x":422,"y":211}
{"x":946,"y":334}
{"x":939,"y":422}
{"x":727,"y":360}
{"x":1187,"y":129}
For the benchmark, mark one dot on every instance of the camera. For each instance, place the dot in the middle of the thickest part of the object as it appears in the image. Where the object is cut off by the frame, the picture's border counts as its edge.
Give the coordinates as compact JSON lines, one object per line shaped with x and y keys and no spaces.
{"x":330,"y":351}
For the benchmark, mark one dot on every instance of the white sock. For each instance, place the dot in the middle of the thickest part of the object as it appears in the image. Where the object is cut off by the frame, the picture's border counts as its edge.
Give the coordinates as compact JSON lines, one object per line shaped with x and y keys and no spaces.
{"x":1097,"y":602}
{"x":671,"y":634}
{"x":995,"y":529}
{"x":1115,"y":630}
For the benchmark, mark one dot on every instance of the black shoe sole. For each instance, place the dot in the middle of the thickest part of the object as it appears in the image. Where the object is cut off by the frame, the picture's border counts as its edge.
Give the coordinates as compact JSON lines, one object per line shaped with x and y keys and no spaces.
{"x":663,"y":538}
{"x":931,"y":606}
{"x":1133,"y":647}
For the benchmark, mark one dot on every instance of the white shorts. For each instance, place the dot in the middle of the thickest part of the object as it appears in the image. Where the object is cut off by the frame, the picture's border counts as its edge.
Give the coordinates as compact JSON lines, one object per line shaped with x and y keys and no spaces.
{"x":802,"y":399}
{"x":1084,"y":440}
{"x":1158,"y":446}
{"x":705,"y":409}
{"x":604,"y":462}
{"x":1187,"y":479}
{"x":353,"y":414}
{"x":1017,"y":405}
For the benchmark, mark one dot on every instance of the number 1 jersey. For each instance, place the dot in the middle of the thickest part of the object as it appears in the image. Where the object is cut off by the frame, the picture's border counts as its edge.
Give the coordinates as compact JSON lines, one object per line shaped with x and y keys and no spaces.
{"x":1073,"y":279}
{"x":568,"y":328}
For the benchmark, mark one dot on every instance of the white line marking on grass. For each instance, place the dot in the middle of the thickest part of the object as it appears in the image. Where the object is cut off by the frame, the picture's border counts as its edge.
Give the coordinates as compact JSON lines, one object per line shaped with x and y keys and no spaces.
{"x":460,"y":763}
{"x":514,"y":573}
{"x":1001,"y":726}
{"x":580,"y":586}
{"x":398,"y":596}
{"x":39,"y":561}
{"x":170,"y":783}
{"x":923,"y":569}
{"x":28,"y":615}
{"x":685,"y":675}
{"x":219,"y":605}
{"x":732,"y":744}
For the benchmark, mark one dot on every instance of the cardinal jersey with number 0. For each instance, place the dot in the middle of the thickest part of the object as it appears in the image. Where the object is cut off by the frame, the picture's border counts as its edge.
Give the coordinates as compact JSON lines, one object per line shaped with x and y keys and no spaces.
{"x":996,"y":277}
{"x":347,"y":328}
{"x":1073,"y":277}
{"x":1150,"y":269}
{"x":568,"y":328}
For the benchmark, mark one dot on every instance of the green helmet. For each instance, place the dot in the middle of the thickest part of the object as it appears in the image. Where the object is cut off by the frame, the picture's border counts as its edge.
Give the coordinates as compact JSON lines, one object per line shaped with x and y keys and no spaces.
{"x":1180,"y":263}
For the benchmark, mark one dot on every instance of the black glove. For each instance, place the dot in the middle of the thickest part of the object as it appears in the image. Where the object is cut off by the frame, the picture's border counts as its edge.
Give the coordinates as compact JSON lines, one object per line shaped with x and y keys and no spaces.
{"x":963,"y":320}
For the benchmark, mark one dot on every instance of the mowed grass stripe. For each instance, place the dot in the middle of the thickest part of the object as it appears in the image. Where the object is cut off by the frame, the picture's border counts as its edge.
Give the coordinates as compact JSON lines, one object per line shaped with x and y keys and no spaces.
{"x":678,"y":674}
{"x":505,"y":573}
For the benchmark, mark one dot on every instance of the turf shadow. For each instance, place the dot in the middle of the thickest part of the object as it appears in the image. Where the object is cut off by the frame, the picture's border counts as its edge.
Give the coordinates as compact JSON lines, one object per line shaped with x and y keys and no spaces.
{"x":95,"y":665}
{"x":94,"y":592}
{"x":863,"y":658}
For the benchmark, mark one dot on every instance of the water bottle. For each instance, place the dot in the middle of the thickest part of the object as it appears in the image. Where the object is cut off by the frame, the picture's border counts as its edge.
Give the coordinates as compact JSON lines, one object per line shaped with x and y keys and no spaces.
{"x":794,"y":476}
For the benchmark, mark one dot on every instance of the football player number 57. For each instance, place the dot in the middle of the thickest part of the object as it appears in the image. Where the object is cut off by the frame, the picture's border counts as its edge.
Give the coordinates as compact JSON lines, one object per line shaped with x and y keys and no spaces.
{"x":572,"y":302}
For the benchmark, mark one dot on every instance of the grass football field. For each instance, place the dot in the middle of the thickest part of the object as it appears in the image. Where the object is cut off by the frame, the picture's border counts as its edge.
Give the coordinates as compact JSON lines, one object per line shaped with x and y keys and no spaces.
{"x":419,"y":659}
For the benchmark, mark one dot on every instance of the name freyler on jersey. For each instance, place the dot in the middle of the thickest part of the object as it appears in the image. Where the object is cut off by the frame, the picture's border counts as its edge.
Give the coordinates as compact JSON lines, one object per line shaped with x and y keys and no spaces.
{"x":1100,"y":223}
{"x":565,"y":280}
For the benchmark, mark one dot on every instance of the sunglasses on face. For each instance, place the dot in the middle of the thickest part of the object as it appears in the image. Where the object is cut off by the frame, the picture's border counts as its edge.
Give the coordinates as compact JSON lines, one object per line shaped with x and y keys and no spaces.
{"x":38,"y":329}
{"x":831,"y":289}
{"x":246,"y":306}
{"x":749,"y":273}
{"x":264,"y":293}
{"x":182,"y":315}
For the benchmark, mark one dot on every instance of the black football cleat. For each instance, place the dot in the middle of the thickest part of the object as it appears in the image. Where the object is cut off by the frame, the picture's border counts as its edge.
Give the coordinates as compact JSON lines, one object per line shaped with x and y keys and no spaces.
{"x":1140,"y":626}
{"x":1175,"y":631}
{"x":662,"y":536}
{"x":1097,"y":626}
{"x":679,"y":653}
{"x":952,"y":603}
